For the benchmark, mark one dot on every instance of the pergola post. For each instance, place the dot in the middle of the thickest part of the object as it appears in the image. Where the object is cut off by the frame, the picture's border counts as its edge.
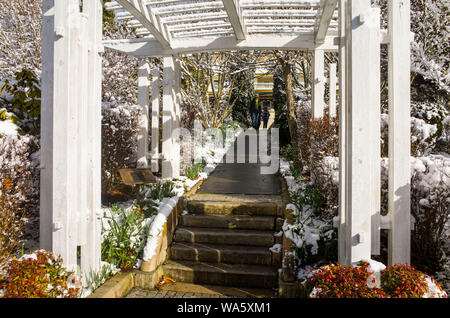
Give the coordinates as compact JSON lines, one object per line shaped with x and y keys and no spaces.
{"x":332,"y":95}
{"x":155,"y":120}
{"x":143,"y":102}
{"x":170,"y":147}
{"x":359,"y":183}
{"x":91,"y":252}
{"x":71,"y":131}
{"x":46,"y":176}
{"x":399,"y":132}
{"x":342,"y":129}
{"x":374,"y":58}
{"x":318,"y":87}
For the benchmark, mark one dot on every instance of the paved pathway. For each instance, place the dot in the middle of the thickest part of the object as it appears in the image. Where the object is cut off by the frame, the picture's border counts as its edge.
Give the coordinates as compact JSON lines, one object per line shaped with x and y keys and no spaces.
{"x":241,"y":178}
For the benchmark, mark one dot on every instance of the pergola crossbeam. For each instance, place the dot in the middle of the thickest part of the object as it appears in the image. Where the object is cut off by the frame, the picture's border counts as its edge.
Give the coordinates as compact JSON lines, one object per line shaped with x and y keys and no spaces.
{"x":234,"y":15}
{"x":146,"y":18}
{"x":327,"y":12}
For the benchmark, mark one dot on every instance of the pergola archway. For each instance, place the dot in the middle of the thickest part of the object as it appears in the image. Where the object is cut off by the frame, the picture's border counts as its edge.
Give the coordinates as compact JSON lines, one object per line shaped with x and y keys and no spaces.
{"x":71,"y":103}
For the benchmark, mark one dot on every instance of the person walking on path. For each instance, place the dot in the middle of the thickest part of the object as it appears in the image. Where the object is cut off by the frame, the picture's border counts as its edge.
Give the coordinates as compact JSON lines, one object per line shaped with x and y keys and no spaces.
{"x":265,"y":116}
{"x":254,"y":111}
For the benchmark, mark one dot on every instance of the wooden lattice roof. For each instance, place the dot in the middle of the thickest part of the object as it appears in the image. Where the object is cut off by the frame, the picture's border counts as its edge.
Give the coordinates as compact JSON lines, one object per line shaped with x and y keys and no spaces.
{"x":179,"y":26}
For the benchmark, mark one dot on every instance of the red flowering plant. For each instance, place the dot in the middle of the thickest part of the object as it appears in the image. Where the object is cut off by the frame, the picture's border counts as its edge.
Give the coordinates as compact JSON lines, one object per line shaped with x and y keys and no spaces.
{"x":38,"y":275}
{"x":397,"y":281}
{"x":337,"y":281}
{"x":403,"y":281}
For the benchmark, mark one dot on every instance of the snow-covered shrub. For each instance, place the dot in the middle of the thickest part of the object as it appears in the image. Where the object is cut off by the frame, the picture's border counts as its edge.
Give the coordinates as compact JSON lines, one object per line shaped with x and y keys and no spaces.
{"x":430,"y":207}
{"x":424,"y":136}
{"x":11,"y":224}
{"x":38,"y":275}
{"x":119,"y":142}
{"x":19,"y":188}
{"x":397,"y":281}
{"x":20,"y":36}
{"x":446,"y":124}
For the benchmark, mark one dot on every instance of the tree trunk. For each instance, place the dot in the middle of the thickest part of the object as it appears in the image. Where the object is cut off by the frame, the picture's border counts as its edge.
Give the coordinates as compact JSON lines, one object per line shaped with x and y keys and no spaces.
{"x":292,"y":118}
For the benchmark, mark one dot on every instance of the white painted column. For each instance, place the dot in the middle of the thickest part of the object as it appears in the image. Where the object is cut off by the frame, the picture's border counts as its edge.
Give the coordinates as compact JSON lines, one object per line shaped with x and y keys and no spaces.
{"x":332,"y":83}
{"x":177,"y":112}
{"x":358,"y":155}
{"x":318,"y":87}
{"x":81,"y":132}
{"x":168,"y":118}
{"x":91,"y":251}
{"x":46,"y":176}
{"x":63,"y":204}
{"x":155,"y":120}
{"x":342,"y":246}
{"x":143,"y":102}
{"x":399,"y":131}
{"x":374,"y":58}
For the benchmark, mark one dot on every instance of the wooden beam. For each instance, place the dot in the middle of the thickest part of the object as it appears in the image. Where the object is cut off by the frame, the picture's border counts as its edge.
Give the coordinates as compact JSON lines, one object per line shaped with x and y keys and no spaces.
{"x":342,"y":241}
{"x":143,"y":102}
{"x":358,"y":156}
{"x":399,"y":132}
{"x":148,"y":47}
{"x":141,"y":13}
{"x":374,"y":109}
{"x":235,"y":17}
{"x":327,"y":11}
{"x":318,"y":85}
{"x":168,"y":118}
{"x":155,"y":120}
{"x":332,"y":97}
{"x":91,"y":252}
{"x":46,"y":175}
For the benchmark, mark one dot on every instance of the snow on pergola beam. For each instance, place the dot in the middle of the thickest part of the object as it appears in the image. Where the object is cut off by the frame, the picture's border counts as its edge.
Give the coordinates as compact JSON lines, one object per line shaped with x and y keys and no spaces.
{"x":149,"y":47}
{"x":146,"y":17}
{"x":327,"y":12}
{"x":235,"y":17}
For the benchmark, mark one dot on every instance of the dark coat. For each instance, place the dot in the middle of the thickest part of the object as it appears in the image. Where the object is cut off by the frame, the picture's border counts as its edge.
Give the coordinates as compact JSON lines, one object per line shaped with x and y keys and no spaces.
{"x":253,"y":105}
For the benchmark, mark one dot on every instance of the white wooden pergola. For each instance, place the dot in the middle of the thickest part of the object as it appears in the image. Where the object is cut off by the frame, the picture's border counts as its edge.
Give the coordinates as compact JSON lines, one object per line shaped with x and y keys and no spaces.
{"x":71,"y":103}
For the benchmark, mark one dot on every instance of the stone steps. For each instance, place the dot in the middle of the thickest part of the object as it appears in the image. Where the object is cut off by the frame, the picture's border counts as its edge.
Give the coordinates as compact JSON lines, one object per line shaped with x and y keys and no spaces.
{"x":225,"y":240}
{"x":230,"y":254}
{"x":233,"y":208}
{"x":237,"y":275}
{"x":241,"y":222}
{"x":220,"y":236}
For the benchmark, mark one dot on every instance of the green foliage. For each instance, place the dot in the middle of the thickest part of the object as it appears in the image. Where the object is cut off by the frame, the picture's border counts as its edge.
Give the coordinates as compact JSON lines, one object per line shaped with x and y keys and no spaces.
{"x":193,"y":171}
{"x":152,"y":195}
{"x":279,"y":103}
{"x":96,"y":278}
{"x":123,"y":237}
{"x":243,"y":97}
{"x":42,"y":276}
{"x":25,"y":102}
{"x":287,"y":152}
{"x":160,"y":190}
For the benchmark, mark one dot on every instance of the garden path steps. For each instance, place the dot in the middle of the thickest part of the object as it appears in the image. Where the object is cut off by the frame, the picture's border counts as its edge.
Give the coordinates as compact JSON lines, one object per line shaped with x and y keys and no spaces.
{"x":225,"y":241}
